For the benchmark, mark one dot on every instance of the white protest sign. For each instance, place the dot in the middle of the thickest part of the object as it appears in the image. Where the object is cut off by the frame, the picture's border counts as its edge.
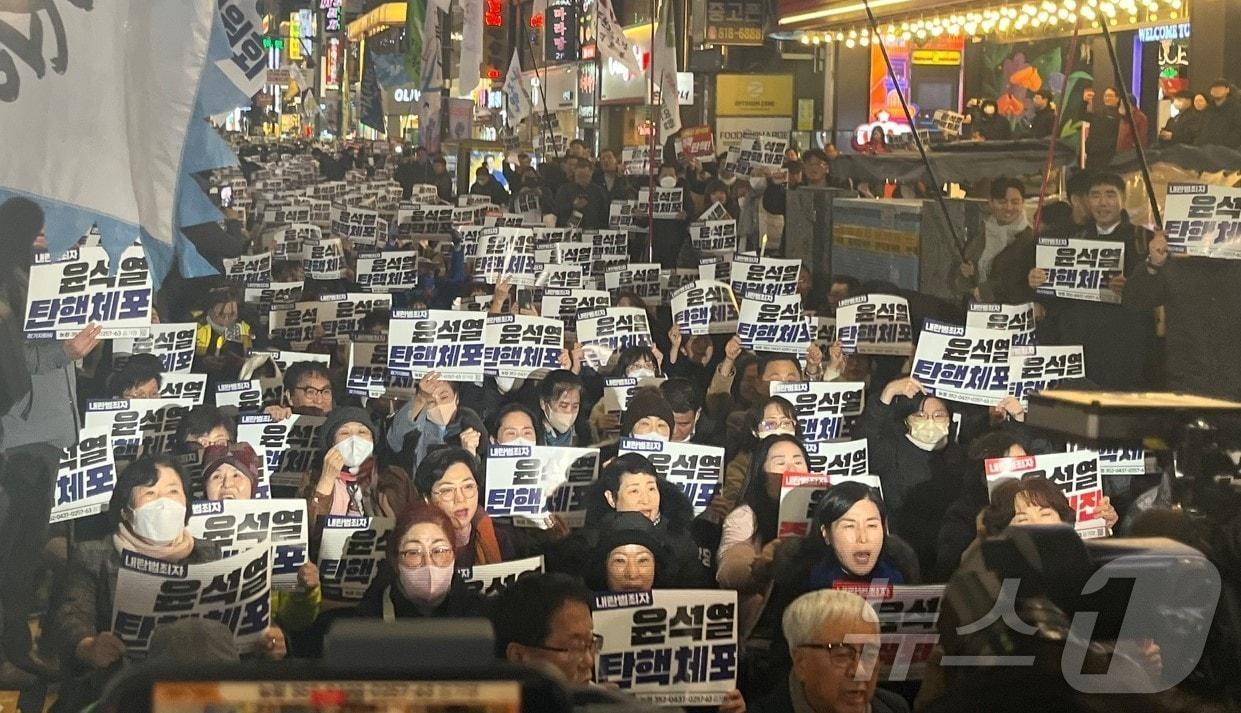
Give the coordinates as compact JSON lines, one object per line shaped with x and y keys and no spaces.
{"x":605,"y":332}
{"x":1079,"y":269}
{"x":529,"y":484}
{"x":636,"y":160}
{"x":705,"y":307}
{"x":751,"y":275}
{"x":822,"y":406}
{"x":192,"y":387}
{"x":506,"y":254}
{"x":953,"y":365}
{"x":611,"y":248}
{"x":85,"y":478}
{"x":289,"y":243}
{"x":389,"y":271}
{"x":521,"y":346}
{"x":714,"y":235}
{"x":78,"y":289}
{"x":1017,"y":321}
{"x":264,"y":296}
{"x":350,"y":551}
{"x":238,"y":525}
{"x":235,"y":591}
{"x":249,"y":269}
{"x":565,"y":304}
{"x":450,"y":342}
{"x":422,"y":221}
{"x":641,"y":278}
{"x":137,"y":426}
{"x":696,"y":470}
{"x":362,"y":226}
{"x":173,"y":343}
{"x":490,"y":580}
{"x":669,"y":203}
{"x":368,"y":371}
{"x":1203,"y":220}
{"x":241,"y":395}
{"x":693,"y":632}
{"x":565,"y":277}
{"x":800,"y":493}
{"x":621,"y":214}
{"x":907,"y":625}
{"x":1043,"y":369}
{"x":716,"y":212}
{"x":769,"y":323}
{"x":874,"y":324}
{"x":290,"y":445}
{"x":324,"y":259}
{"x":1076,"y":474}
{"x":757,"y":151}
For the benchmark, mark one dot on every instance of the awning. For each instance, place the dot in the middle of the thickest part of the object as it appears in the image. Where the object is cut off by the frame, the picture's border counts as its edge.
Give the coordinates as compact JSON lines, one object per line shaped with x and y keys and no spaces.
{"x":390,"y":14}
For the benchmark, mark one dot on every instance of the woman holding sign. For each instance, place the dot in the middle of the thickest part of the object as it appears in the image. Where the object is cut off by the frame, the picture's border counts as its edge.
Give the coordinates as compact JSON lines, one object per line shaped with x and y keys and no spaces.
{"x":350,"y":480}
{"x":449,"y":478}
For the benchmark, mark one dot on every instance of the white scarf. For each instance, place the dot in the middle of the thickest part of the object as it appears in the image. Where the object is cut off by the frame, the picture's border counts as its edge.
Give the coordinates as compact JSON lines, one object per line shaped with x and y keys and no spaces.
{"x":998,"y":237}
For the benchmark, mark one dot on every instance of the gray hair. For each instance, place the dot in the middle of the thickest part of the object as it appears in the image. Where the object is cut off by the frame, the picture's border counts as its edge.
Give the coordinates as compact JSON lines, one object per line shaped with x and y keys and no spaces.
{"x":808,"y":613}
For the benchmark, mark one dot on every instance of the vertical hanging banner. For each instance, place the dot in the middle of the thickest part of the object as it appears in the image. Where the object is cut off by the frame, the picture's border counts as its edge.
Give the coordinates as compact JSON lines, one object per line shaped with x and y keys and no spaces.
{"x":371,"y":110}
{"x":451,"y":343}
{"x":1079,"y":269}
{"x":664,"y":65}
{"x":1203,"y":220}
{"x":79,"y":288}
{"x":516,"y":94}
{"x":1077,"y":474}
{"x":611,"y":40}
{"x":822,"y":406}
{"x":953,"y":364}
{"x":695,"y":469}
{"x":560,"y":31}
{"x":874,"y":324}
{"x":469,"y":64}
{"x":668,"y":647}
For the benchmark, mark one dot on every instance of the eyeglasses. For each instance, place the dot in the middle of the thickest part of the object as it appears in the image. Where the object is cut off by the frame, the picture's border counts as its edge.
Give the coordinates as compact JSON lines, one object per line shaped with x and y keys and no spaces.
{"x":309,"y":391}
{"x":848,"y":655}
{"x":441,"y":556}
{"x":773,"y":424}
{"x":589,"y":649}
{"x":448,"y":492}
{"x":938,"y":416}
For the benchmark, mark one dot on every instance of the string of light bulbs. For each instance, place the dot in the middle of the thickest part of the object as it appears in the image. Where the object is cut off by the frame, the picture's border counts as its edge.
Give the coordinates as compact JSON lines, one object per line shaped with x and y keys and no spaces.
{"x":1022,"y":18}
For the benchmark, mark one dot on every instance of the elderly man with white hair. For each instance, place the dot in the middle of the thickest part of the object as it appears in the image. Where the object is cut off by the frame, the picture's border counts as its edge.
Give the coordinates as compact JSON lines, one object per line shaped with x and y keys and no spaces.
{"x":833,"y":637}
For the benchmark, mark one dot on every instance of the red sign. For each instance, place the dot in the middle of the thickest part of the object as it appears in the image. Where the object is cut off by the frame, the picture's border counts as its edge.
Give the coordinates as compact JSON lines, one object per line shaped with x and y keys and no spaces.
{"x":493,"y":13}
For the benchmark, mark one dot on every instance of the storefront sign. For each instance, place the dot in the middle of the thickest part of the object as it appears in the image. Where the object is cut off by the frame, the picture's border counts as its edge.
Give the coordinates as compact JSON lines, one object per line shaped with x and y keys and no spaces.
{"x":1160,"y":33}
{"x":560,"y":34}
{"x":936,"y":58}
{"x":331,"y":14}
{"x":735,"y":22}
{"x":754,"y":95}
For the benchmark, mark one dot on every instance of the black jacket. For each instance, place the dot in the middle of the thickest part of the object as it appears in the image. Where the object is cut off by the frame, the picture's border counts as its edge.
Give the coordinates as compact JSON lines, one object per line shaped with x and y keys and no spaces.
{"x":493,"y":190}
{"x":594,"y":215}
{"x":1185,"y":127}
{"x":780,"y":700}
{"x":994,"y":127}
{"x":1043,"y":123}
{"x":1221,"y":125}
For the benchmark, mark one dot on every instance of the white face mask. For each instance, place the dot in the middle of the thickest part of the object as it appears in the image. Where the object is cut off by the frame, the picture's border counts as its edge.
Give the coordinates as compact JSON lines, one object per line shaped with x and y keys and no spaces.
{"x":504,"y":384}
{"x":520,"y":442}
{"x":928,"y":435}
{"x":426,"y":584}
{"x":652,"y":436}
{"x":561,"y":422}
{"x":160,"y":520}
{"x":668,"y":182}
{"x":641,"y":372}
{"x":355,"y":450}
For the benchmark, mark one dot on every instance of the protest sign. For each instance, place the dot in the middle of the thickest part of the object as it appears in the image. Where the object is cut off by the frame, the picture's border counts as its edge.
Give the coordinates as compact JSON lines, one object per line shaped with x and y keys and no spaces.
{"x":137,"y":426}
{"x":324,"y":259}
{"x":425,"y":193}
{"x":822,"y":406}
{"x":715,"y":235}
{"x":574,"y":252}
{"x":1115,"y":460}
{"x":85,"y":478}
{"x":368,"y":371}
{"x":320,"y":212}
{"x":504,"y":220}
{"x":423,"y":221}
{"x":173,"y":343}
{"x":284,"y":214}
{"x":758,"y":151}
{"x":283,"y":359}
{"x":611,"y":248}
{"x":192,"y":387}
{"x":565,"y":305}
{"x":621,"y":214}
{"x":907,"y":625}
{"x":530,"y":483}
{"x":1043,"y":369}
{"x":506,"y":254}
{"x":670,"y":281}
{"x":238,"y":525}
{"x":770,"y":323}
{"x":955,"y":365}
{"x":669,"y":203}
{"x":241,"y":395}
{"x":545,"y":237}
{"x":289,"y":243}
{"x":636,"y":160}
{"x":249,"y":269}
{"x":716,"y":211}
{"x":698,"y":143}
{"x":264,"y":296}
{"x":618,"y":390}
{"x":67,"y":294}
{"x":350,"y":551}
{"x":290,"y":445}
{"x":521,"y":346}
{"x":800,"y":493}
{"x":751,"y":275}
{"x":641,"y":278}
{"x":1076,"y":474}
{"x":235,"y":591}
{"x":1079,"y":269}
{"x":1017,"y":321}
{"x":565,"y":277}
{"x":604,"y":332}
{"x":874,"y":324}
{"x":1203,"y":220}
{"x":389,"y":271}
{"x":362,"y":226}
{"x":696,"y":470}
{"x":705,"y":307}
{"x":668,"y":647}
{"x":490,"y":580}
{"x":717,"y":267}
{"x":451,"y":343}
{"x":823,"y":333}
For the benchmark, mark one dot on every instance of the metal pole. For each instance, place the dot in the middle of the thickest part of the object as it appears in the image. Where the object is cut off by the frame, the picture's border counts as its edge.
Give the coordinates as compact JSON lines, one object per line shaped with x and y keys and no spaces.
{"x":653,"y":144}
{"x":1133,"y":129}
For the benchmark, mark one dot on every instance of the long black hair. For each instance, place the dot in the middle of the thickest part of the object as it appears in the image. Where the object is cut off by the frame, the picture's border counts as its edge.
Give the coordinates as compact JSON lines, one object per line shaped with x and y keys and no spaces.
{"x":766,"y":508}
{"x":21,"y":219}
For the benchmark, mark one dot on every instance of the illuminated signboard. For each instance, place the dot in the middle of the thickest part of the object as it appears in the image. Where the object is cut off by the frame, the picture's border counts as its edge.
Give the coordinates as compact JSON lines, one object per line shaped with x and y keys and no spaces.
{"x":331,"y":14}
{"x":560,"y":33}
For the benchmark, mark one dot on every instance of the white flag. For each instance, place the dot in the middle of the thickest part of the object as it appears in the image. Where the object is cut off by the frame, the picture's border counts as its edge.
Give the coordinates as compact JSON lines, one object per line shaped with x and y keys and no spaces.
{"x":664,"y":63}
{"x":471,"y":47}
{"x":432,"y":49}
{"x":515,"y":93}
{"x":612,"y":41}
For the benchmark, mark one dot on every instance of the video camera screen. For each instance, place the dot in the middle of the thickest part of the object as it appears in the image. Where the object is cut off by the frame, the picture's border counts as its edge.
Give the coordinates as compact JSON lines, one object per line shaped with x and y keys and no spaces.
{"x":336,"y":696}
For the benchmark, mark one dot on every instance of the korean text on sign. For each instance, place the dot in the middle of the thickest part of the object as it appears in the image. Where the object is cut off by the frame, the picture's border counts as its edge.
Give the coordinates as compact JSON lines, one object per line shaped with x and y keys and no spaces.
{"x":238,"y":525}
{"x":822,"y":406}
{"x":492,"y":579}
{"x":773,"y":324}
{"x":291,"y":445}
{"x":705,"y":307}
{"x":66,"y":295}
{"x":1080,"y":269}
{"x":874,"y":324}
{"x":452,"y":343}
{"x":953,"y":365}
{"x":529,"y":484}
{"x":86,"y":477}
{"x":173,"y":343}
{"x":1203,"y":220}
{"x":605,"y":332}
{"x":350,"y":553}
{"x":695,"y":469}
{"x":1076,"y":473}
{"x":521,"y":346}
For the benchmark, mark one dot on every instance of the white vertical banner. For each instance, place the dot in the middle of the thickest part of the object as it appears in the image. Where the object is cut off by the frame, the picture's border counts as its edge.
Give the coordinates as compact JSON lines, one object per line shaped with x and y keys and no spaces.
{"x":471,"y":47}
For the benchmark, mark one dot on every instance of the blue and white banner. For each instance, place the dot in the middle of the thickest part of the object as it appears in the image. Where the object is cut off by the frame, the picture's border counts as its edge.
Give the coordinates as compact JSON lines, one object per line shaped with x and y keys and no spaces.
{"x":1079,"y":269}
{"x":521,"y":346}
{"x":85,"y":286}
